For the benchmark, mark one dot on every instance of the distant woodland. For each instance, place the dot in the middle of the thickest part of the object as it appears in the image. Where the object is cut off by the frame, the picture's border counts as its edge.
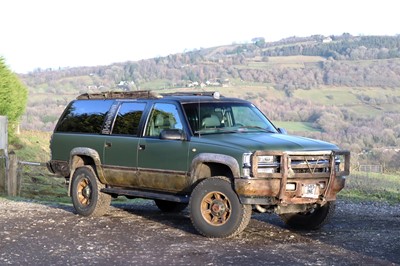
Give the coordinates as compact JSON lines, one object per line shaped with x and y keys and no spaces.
{"x":345,"y":88}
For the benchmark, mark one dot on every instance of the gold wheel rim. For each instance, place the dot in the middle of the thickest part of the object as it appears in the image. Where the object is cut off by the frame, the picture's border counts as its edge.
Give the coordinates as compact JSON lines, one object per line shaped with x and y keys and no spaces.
{"x":216,"y":208}
{"x":84,"y":192}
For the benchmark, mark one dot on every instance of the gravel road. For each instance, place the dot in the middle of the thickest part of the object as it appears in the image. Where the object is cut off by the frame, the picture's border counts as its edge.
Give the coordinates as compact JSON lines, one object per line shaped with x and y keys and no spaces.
{"x":139,"y":234}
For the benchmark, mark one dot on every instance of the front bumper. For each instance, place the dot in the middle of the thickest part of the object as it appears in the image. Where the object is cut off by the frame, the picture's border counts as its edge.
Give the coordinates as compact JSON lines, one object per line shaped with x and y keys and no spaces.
{"x":297,"y":174}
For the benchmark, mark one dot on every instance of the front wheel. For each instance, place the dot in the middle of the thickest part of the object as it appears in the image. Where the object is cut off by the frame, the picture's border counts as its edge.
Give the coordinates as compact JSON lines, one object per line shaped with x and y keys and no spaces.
{"x":87,"y":198}
{"x":215,"y":209}
{"x":312,"y":219}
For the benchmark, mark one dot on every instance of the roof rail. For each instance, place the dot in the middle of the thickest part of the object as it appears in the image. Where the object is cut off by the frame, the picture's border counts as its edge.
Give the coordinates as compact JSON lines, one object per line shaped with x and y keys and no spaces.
{"x":193,"y":93}
{"x":147,"y":94}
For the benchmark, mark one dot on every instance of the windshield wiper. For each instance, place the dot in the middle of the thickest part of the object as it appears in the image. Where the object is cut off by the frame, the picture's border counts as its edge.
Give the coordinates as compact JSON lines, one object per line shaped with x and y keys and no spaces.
{"x":257,"y":128}
{"x":215,"y":130}
{"x":232,"y":130}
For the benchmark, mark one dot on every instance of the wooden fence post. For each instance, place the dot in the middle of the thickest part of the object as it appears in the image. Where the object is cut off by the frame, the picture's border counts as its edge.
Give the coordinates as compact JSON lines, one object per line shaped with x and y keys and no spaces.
{"x":3,"y":171}
{"x":3,"y":153}
{"x":13,"y":182}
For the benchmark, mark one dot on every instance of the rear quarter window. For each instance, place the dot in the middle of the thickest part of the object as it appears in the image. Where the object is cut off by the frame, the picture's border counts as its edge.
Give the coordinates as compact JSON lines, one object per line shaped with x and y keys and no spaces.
{"x":128,"y":119}
{"x":84,"y":116}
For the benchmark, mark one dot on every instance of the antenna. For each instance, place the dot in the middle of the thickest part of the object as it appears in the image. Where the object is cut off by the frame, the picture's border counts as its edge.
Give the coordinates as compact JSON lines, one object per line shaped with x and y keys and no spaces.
{"x":198,"y":120}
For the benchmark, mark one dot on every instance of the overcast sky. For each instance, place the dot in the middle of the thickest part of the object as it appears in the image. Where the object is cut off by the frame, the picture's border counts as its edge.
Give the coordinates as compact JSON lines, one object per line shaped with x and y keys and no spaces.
{"x":68,"y":33}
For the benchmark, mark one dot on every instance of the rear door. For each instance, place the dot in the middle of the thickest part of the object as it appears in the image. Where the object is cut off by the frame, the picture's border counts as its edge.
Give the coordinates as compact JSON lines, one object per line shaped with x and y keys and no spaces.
{"x":121,"y":146}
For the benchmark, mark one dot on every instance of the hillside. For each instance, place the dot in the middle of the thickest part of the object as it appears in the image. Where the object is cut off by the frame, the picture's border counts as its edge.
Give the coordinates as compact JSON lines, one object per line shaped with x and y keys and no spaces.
{"x":344,"y":89}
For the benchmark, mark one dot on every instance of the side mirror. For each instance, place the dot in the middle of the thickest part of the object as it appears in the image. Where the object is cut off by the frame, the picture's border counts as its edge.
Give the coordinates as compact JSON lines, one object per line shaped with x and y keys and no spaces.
{"x":172,"y":134}
{"x":282,"y":131}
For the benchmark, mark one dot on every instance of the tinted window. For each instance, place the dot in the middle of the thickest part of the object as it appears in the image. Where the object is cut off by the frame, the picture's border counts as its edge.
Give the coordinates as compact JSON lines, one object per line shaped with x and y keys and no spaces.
{"x":163,"y":116}
{"x":84,"y":116}
{"x":128,"y":118}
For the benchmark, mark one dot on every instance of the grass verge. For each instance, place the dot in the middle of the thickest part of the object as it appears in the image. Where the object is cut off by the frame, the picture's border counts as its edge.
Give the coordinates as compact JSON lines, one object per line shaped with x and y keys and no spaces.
{"x":377,"y":187}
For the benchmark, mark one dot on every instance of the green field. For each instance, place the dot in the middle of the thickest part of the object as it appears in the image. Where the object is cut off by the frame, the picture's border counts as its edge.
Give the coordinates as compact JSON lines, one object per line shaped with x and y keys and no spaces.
{"x":292,"y":127}
{"x":283,"y":61}
{"x":33,"y":146}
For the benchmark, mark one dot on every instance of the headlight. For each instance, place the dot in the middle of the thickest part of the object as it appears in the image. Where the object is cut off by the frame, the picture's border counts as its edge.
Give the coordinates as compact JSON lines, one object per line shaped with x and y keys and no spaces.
{"x":263,"y":160}
{"x":246,"y":165}
{"x":267,"y":164}
{"x":337,"y":163}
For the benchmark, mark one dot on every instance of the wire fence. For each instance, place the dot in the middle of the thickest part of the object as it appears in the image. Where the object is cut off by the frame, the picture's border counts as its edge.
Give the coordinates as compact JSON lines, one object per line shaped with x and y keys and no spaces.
{"x":371,"y":168}
{"x":36,"y":182}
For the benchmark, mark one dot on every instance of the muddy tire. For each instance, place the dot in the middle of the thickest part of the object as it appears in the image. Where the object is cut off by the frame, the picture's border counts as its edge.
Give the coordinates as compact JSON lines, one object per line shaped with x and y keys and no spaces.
{"x":87,"y":198}
{"x":215,"y":209}
{"x":170,"y":206}
{"x":311,"y":220}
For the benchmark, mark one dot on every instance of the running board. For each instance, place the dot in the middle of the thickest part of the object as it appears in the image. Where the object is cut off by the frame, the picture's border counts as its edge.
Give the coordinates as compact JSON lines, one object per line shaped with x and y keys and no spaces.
{"x":146,"y":194}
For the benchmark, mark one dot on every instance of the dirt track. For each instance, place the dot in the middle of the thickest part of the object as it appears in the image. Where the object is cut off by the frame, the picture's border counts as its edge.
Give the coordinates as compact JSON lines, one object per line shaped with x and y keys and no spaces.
{"x":139,"y":234}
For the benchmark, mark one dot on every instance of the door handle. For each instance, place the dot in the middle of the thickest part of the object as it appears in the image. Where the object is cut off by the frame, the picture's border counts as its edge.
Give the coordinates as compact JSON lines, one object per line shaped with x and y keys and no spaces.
{"x":108,"y":144}
{"x":142,"y":147}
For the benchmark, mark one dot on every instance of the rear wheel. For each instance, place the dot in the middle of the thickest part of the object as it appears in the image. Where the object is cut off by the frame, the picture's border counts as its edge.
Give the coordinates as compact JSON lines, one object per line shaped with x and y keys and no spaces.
{"x":87,"y":198}
{"x":311,"y":220}
{"x":170,"y":206}
{"x":215,"y":209}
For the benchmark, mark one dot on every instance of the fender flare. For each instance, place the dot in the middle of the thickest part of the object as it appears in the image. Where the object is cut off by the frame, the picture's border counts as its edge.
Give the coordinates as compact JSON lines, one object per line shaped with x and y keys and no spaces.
{"x":76,"y":153}
{"x":201,"y":158}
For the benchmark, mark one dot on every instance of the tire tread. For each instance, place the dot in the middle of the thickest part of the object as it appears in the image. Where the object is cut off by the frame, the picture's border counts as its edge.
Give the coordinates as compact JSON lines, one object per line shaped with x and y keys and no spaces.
{"x":245,"y":209}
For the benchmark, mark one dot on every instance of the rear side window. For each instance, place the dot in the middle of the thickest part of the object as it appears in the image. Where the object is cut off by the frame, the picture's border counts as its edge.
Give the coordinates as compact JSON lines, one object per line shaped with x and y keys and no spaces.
{"x":128,"y":119}
{"x":84,"y":116}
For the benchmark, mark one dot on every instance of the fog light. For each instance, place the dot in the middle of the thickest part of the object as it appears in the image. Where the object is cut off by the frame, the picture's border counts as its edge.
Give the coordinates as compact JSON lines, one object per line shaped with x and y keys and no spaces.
{"x":290,"y":186}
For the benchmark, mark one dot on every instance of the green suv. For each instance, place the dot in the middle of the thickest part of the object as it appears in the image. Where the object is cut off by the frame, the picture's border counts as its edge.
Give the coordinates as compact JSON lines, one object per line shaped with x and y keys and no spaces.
{"x":219,"y":156}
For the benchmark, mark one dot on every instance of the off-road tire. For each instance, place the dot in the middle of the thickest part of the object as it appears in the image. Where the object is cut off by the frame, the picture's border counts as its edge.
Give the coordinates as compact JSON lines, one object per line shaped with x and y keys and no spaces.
{"x":170,"y":206}
{"x":311,"y":220}
{"x":87,"y":198}
{"x":215,"y":209}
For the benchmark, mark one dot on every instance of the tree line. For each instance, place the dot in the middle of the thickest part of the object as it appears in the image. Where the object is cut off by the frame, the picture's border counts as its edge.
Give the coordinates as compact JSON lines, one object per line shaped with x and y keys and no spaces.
{"x":346,"y":61}
{"x":345,"y":47}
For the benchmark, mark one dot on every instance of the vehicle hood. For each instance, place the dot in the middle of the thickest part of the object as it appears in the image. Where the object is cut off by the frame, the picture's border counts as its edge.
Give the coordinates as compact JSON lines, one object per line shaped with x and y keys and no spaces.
{"x":268,"y":141}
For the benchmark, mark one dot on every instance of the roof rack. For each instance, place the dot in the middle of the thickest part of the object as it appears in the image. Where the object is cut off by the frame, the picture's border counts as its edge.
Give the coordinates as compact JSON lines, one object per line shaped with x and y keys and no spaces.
{"x":147,"y":94}
{"x":194,"y":93}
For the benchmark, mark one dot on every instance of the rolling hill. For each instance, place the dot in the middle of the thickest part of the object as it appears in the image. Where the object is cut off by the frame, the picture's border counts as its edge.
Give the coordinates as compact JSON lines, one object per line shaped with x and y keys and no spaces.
{"x":344,"y":89}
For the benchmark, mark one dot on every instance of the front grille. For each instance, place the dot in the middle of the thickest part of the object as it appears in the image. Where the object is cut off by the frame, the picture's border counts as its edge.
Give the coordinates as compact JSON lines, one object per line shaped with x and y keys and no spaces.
{"x":308,"y":164}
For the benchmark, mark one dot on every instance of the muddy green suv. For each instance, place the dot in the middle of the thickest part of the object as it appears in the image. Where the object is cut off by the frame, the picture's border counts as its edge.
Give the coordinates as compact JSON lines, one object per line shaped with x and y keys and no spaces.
{"x":220,"y":157}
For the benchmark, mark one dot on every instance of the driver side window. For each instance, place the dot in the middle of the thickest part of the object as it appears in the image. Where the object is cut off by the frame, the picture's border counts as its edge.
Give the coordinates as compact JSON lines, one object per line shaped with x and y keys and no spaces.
{"x":163,"y":116}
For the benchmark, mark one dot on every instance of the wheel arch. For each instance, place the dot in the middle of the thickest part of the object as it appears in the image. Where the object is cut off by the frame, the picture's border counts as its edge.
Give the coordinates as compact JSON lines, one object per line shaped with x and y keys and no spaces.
{"x":206,"y":165}
{"x":81,"y":156}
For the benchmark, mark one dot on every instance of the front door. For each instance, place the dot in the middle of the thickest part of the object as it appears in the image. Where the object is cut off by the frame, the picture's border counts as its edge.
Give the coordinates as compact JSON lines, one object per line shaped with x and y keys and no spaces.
{"x":163,"y":163}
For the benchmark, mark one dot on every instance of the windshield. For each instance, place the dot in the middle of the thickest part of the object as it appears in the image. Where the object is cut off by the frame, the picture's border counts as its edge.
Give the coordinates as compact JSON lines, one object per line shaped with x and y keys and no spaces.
{"x":223,"y":117}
